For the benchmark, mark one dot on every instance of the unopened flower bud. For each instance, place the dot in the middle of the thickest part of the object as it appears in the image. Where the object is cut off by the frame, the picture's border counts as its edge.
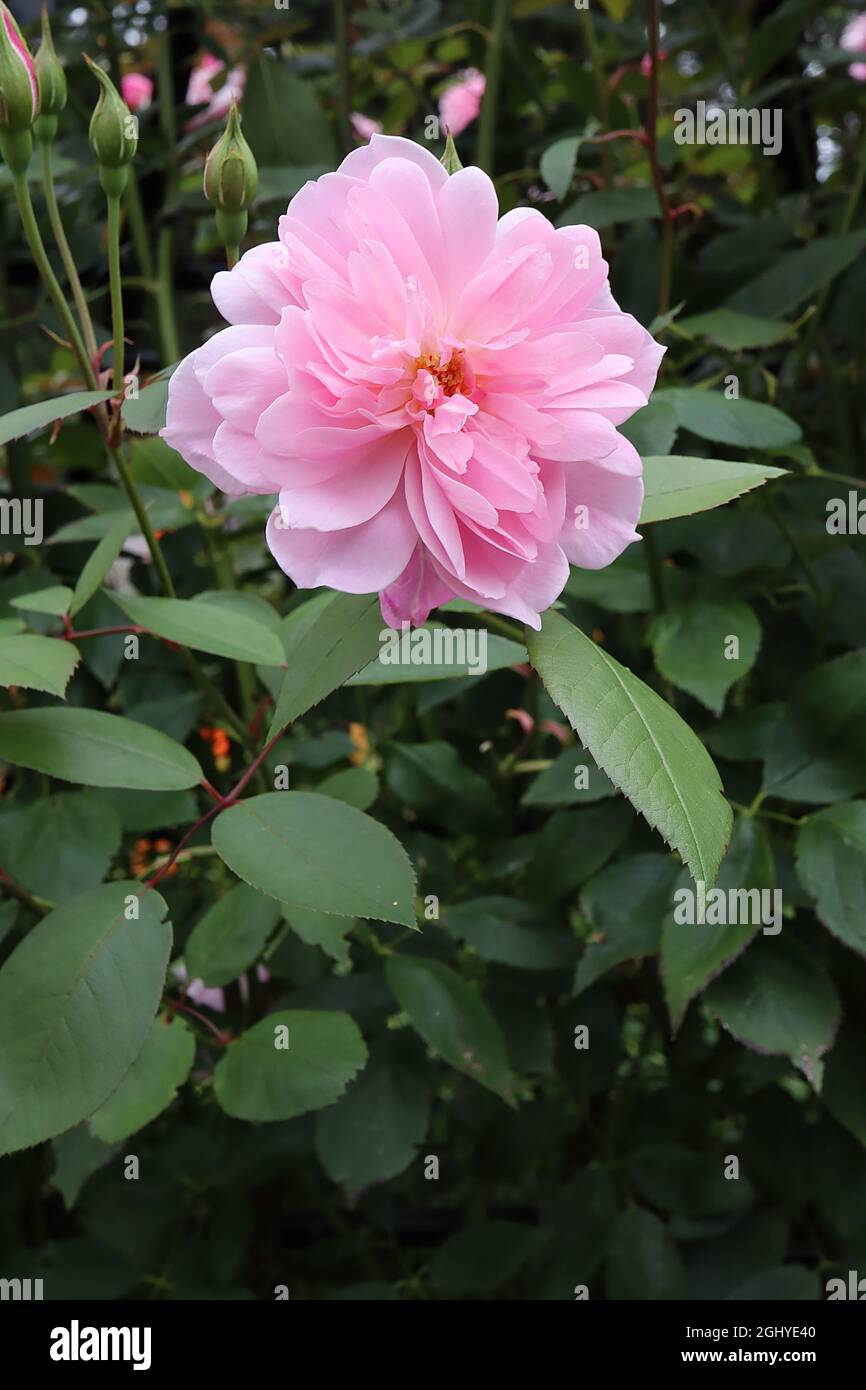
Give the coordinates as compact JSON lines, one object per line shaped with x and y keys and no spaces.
{"x":52,"y":84}
{"x":231,"y":179}
{"x":450,"y":160}
{"x":19,"y":94}
{"x":113,"y":133}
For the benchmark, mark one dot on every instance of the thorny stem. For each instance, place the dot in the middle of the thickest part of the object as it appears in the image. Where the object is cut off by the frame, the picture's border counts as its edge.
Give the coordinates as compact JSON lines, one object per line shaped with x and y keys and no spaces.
{"x":221,"y":804}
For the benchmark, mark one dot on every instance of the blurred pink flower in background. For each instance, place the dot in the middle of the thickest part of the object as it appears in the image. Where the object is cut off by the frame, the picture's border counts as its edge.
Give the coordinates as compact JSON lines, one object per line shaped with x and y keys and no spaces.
{"x":854,"y":38}
{"x":646,"y":62}
{"x":137,"y":90}
{"x":432,"y":391}
{"x":459,"y":105}
{"x":201,"y":91}
{"x":364,"y":126}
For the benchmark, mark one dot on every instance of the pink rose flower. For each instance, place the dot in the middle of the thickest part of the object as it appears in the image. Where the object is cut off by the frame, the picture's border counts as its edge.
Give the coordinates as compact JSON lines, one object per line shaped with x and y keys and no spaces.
{"x":137,"y":90}
{"x":200,"y":91}
{"x":24,"y":86}
{"x":459,"y":105}
{"x":364,"y":126}
{"x":854,"y":38}
{"x":432,"y":391}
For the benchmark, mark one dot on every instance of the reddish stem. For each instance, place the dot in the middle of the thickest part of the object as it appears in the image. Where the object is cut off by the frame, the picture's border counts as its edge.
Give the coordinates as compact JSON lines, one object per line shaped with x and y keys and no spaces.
{"x":222,"y":803}
{"x":70,"y":635}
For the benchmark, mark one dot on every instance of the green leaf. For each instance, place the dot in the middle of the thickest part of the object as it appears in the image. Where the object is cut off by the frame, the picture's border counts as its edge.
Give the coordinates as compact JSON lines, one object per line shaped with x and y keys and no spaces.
{"x":693,"y":954}
{"x":97,"y":749}
{"x":691,"y":645}
{"x":77,"y":1156}
{"x":452,"y":1018}
{"x":341,"y":637}
{"x":831,"y":862}
{"x":154,"y":463}
{"x":572,"y":846}
{"x":35,"y":417}
{"x":739,"y":422}
{"x":206,"y":627}
{"x":621,"y":587}
{"x":625,"y":905}
{"x":230,"y":935}
{"x":643,"y":1262}
{"x":280,"y":183}
{"x":357,"y":786}
{"x":733,"y":330}
{"x":562,"y":784}
{"x":693,"y":1185}
{"x":321,"y":929}
{"x":600,"y":210}
{"x":558,"y":163}
{"x":817,"y":749}
{"x":652,"y":429}
{"x":675,"y":486}
{"x":373,"y":1131}
{"x":777,"y":998}
{"x":77,"y":999}
{"x":505,"y":930}
{"x":37,"y":663}
{"x":484,"y":1255}
{"x":639,"y":741}
{"x":143,"y":811}
{"x":796,"y":275}
{"x":431,"y":778}
{"x":283,"y":118}
{"x":61,"y":845}
{"x":98,"y":563}
{"x":317,"y":852}
{"x":54,"y":600}
{"x":435,"y":652}
{"x":289,"y":1063}
{"x":842,"y":1091}
{"x":151,"y":1083}
{"x":146,"y":413}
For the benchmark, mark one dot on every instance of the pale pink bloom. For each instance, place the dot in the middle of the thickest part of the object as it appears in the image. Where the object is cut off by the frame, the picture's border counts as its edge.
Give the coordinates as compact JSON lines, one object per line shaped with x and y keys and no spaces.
{"x":459,"y":105}
{"x":213,"y":998}
{"x":432,"y":391}
{"x":16,"y":39}
{"x":136,"y":88}
{"x":198,"y":991}
{"x":854,"y":38}
{"x":364,"y":126}
{"x":200,"y":91}
{"x":646,"y":62}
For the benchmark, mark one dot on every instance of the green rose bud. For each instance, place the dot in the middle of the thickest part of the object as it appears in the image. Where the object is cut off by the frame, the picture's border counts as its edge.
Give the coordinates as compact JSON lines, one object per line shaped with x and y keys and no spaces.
{"x":19,"y":95}
{"x":230,"y":180}
{"x":52,"y":84}
{"x":450,"y":160}
{"x":113,"y":133}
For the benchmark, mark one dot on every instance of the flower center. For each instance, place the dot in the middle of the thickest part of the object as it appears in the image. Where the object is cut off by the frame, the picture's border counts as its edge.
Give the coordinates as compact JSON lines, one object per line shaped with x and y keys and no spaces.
{"x":451,"y":375}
